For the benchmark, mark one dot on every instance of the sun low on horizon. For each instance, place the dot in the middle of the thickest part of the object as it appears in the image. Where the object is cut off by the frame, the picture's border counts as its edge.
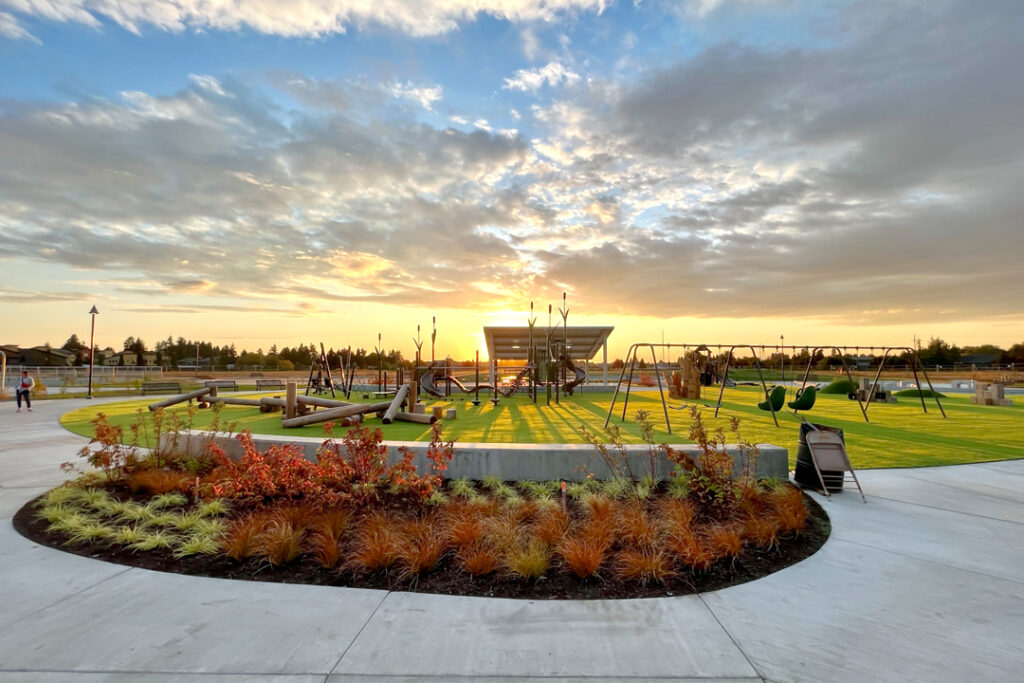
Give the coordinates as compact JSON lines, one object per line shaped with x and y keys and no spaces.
{"x":702,"y":171}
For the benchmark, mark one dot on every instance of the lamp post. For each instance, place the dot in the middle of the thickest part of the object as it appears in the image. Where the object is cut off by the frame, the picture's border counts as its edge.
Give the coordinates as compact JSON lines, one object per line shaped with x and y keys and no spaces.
{"x":782,"y":351}
{"x":92,"y":346}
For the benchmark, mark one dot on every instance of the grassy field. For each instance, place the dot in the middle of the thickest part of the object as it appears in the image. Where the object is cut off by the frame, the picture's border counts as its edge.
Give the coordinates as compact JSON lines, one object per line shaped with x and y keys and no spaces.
{"x":899,"y":435}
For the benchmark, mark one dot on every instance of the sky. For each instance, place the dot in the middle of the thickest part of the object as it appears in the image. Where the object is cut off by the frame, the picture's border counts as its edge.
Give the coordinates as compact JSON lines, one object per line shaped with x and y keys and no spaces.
{"x":719,"y":171}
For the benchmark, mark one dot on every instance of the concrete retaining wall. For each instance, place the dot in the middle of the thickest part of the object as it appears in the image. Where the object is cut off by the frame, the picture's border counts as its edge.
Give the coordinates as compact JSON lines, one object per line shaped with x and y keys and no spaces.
{"x":513,"y":462}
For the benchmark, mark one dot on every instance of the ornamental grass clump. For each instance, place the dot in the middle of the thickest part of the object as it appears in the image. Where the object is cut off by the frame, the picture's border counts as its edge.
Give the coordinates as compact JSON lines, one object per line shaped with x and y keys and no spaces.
{"x":643,"y":566}
{"x":242,"y":537}
{"x":528,"y":561}
{"x":478,"y":559}
{"x":583,"y":556}
{"x":637,"y":528}
{"x":280,"y":542}
{"x":420,"y":546}
{"x":375,"y":545}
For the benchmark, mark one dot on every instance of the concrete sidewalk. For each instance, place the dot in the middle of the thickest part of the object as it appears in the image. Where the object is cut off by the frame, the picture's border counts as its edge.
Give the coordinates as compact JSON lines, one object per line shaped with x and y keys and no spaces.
{"x":925,"y":582}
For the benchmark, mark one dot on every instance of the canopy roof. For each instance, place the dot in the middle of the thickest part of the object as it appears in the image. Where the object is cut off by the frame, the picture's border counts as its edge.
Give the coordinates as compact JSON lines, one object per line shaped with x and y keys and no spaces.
{"x":512,"y":343}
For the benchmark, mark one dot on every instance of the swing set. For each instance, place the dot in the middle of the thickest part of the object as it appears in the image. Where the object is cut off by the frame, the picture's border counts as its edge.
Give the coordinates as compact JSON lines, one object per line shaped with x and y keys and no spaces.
{"x":774,"y":397}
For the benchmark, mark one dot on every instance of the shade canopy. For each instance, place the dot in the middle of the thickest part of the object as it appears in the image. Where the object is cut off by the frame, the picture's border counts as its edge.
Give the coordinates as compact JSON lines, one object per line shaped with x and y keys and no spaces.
{"x":513,"y":343}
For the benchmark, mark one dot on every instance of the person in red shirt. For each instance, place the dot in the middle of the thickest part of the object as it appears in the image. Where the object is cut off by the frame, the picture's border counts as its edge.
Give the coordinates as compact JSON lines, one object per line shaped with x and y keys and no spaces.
{"x":24,"y":388}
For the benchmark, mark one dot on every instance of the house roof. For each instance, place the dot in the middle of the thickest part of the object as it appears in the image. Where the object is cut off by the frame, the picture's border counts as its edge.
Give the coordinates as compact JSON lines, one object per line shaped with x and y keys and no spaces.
{"x":512,"y":343}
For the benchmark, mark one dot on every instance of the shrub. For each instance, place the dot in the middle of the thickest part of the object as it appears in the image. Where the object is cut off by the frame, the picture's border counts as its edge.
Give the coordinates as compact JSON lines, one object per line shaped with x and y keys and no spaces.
{"x":643,"y":566}
{"x":842,"y":387}
{"x":107,"y":450}
{"x":583,"y":556}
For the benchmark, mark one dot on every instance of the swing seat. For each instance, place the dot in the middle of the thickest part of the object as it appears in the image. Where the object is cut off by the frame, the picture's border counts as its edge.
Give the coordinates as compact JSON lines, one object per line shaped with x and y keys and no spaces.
{"x":775,"y":400}
{"x":804,"y":399}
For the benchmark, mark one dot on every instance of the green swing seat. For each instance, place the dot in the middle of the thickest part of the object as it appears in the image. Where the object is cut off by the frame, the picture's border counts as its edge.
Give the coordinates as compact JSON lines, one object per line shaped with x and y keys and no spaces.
{"x":804,"y":399}
{"x":775,"y":400}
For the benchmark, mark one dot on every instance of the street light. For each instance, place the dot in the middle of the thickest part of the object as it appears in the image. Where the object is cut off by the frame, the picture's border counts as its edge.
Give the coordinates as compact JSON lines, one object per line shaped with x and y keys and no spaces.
{"x":782,"y":350}
{"x":92,"y":346}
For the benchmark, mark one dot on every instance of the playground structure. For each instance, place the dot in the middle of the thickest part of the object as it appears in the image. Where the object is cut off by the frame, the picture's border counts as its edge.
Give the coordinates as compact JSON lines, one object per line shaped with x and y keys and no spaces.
{"x":774,"y":398}
{"x":990,"y":394}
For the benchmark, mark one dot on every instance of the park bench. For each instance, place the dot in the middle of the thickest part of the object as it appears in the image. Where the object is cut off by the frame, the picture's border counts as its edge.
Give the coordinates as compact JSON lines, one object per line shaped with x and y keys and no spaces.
{"x":160,"y":387}
{"x":269,"y":384}
{"x":222,"y":384}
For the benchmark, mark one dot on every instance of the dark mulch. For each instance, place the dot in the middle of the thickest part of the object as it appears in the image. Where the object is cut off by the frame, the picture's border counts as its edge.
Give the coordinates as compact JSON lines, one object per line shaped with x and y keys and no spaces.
{"x":447,"y":578}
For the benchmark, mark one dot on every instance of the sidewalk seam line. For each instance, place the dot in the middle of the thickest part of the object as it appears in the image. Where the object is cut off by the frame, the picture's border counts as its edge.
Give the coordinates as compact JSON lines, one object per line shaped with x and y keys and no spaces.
{"x":935,"y":507}
{"x":358,"y":633}
{"x":718,"y":621}
{"x":65,"y":598}
{"x":924,"y":559}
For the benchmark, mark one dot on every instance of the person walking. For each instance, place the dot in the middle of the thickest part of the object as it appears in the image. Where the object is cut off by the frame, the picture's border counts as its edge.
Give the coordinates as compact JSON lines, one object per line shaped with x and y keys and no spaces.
{"x":24,"y":388}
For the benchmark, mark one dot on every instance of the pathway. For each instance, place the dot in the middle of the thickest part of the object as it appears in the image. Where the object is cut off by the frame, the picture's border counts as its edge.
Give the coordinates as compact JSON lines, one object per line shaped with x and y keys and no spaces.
{"x":925,"y":582}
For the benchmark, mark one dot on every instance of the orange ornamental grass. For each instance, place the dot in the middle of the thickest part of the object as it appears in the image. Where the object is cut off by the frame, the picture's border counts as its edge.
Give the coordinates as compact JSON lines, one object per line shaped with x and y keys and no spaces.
{"x":790,"y":509}
{"x":280,"y":542}
{"x":464,"y":530}
{"x":242,"y":537}
{"x":675,"y":515}
{"x":157,"y":481}
{"x":761,"y":531}
{"x":375,"y":545}
{"x":643,"y":566}
{"x":691,"y":550}
{"x":583,"y":556}
{"x":550,"y":525}
{"x":479,"y":559}
{"x":421,"y":544}
{"x":724,"y":540}
{"x":324,"y":545}
{"x":637,"y":528}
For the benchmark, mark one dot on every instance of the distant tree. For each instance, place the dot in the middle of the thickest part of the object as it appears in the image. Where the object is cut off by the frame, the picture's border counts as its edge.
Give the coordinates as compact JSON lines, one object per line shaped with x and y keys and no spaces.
{"x":286,"y":365}
{"x":938,"y":352}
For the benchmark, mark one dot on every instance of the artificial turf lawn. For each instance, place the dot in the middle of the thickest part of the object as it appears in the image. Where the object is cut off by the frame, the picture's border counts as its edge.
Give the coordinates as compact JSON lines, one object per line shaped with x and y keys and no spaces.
{"x":899,"y":434}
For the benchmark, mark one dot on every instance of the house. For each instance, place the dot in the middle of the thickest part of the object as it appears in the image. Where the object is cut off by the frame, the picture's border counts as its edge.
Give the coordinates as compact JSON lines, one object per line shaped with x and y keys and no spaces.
{"x":38,"y":356}
{"x":130,"y":358}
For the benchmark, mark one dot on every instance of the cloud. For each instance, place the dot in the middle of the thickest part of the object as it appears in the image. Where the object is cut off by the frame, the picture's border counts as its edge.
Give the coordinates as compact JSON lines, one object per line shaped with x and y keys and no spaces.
{"x":295,"y":17}
{"x":551,"y":74}
{"x":424,"y":96}
{"x":10,"y":28}
{"x":870,"y":181}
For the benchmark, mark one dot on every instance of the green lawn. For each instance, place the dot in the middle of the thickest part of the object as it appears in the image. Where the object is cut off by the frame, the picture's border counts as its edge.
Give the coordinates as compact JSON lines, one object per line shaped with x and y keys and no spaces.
{"x":899,"y":435}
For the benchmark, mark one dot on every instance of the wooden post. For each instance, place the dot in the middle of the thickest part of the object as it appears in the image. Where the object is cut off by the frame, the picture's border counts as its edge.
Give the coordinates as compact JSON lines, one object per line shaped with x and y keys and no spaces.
{"x":413,"y":397}
{"x":290,"y":402}
{"x":396,"y":403}
{"x":335,"y":413}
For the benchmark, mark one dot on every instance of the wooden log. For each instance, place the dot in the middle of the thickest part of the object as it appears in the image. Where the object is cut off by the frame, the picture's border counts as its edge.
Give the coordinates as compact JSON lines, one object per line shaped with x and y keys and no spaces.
{"x":178,"y":399}
{"x":230,"y":401}
{"x":396,"y":403}
{"x":413,"y":390}
{"x":322,"y":402}
{"x":421,"y":418}
{"x":291,"y":392}
{"x":334,"y":414}
{"x":272,"y":401}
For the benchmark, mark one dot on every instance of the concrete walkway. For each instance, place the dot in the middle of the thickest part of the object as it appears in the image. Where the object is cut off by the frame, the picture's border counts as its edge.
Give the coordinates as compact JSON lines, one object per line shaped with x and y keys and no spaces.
{"x":925,"y":582}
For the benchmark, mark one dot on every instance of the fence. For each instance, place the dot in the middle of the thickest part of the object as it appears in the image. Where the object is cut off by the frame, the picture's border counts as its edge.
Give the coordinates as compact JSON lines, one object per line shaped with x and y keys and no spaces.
{"x":101,"y":374}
